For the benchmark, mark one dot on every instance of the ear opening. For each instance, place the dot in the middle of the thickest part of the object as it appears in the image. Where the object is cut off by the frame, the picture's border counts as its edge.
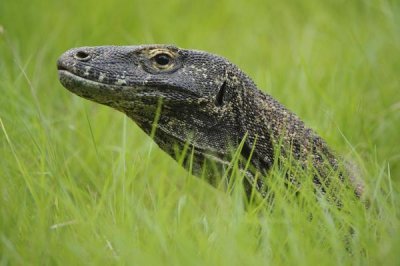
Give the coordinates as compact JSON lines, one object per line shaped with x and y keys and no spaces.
{"x":219,"y":100}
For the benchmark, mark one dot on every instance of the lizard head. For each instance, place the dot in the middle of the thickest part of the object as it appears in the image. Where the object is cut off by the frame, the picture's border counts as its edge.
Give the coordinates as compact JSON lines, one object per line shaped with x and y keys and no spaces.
{"x":191,"y":97}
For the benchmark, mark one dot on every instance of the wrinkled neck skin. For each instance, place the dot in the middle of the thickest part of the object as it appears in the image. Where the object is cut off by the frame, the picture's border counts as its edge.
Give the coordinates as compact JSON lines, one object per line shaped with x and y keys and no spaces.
{"x":208,"y":134}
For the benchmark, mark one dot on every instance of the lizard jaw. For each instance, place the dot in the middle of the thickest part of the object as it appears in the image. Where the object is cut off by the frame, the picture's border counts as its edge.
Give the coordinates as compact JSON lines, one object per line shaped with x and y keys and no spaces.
{"x":87,"y":88}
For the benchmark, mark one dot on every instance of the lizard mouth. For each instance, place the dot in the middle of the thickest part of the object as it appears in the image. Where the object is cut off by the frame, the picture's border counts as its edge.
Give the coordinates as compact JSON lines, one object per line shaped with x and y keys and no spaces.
{"x":61,"y":67}
{"x":68,"y":77}
{"x":89,"y":89}
{"x":71,"y":81}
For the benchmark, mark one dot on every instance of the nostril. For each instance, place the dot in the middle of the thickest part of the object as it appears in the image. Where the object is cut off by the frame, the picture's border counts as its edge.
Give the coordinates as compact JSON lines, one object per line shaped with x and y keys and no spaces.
{"x":82,"y":56}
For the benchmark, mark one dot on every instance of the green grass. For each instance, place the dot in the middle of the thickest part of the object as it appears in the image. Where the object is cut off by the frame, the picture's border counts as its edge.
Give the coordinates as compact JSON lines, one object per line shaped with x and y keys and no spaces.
{"x":81,"y":184}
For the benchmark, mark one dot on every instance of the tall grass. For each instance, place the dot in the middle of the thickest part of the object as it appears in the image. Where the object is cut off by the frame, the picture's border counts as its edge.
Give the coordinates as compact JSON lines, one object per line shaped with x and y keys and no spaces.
{"x":81,"y":184}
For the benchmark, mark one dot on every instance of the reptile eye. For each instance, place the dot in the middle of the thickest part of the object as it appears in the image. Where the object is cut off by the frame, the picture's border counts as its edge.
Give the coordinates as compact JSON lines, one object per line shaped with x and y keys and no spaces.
{"x":162,"y":59}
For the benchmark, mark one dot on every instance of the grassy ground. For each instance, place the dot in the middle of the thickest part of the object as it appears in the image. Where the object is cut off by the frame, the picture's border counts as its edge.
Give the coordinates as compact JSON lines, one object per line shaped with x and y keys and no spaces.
{"x":81,"y":184}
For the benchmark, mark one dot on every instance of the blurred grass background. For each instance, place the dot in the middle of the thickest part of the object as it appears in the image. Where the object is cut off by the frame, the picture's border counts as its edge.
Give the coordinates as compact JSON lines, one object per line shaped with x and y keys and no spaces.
{"x":81,"y":184}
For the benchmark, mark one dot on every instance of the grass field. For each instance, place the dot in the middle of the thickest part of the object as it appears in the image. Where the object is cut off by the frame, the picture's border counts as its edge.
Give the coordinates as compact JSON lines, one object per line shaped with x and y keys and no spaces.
{"x":80,"y":184}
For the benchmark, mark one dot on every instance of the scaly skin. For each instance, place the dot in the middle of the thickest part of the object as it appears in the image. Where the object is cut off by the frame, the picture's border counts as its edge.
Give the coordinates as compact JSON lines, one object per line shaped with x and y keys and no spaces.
{"x":206,"y":102}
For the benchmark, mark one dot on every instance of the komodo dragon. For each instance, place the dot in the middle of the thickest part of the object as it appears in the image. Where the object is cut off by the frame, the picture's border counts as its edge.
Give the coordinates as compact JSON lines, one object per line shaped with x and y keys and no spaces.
{"x":204,"y":101}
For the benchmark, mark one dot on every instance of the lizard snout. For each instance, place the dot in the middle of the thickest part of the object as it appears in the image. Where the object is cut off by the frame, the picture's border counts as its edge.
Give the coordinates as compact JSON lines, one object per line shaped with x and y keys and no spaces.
{"x":73,"y":56}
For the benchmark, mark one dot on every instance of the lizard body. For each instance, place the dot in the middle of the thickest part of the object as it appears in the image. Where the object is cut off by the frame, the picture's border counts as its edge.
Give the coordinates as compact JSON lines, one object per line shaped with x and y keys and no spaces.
{"x":206,"y":102}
